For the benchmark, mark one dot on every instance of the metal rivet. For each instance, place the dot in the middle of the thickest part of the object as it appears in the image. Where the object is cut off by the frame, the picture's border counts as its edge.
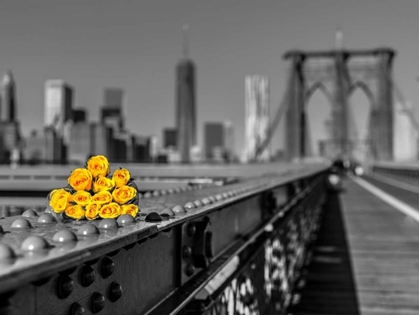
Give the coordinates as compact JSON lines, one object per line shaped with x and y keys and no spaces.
{"x":6,"y":252}
{"x":186,"y":252}
{"x":98,"y":302}
{"x":125,"y":219}
{"x":212,"y":198}
{"x":198,"y":203}
{"x":115,"y":291}
{"x":163,"y":192}
{"x":64,"y":236}
{"x":189,"y":270}
{"x":107,"y":267}
{"x":87,"y":276}
{"x":178,"y":209}
{"x":30,"y":213}
{"x":171,"y":191}
{"x":153,"y":217}
{"x":191,"y":229}
{"x":225,"y":195}
{"x":46,"y":218}
{"x":108,"y":224}
{"x":33,"y":243}
{"x":147,"y":195}
{"x":167,"y":212}
{"x":47,"y":210}
{"x":65,"y":286}
{"x":77,"y":309}
{"x":219,"y":197}
{"x":156,"y":193}
{"x":21,"y":224}
{"x":206,"y":201}
{"x":190,"y":205}
{"x":87,"y":229}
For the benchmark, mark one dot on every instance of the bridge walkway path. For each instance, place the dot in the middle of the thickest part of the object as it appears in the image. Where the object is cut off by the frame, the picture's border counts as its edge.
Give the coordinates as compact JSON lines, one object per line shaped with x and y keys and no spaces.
{"x":365,"y":260}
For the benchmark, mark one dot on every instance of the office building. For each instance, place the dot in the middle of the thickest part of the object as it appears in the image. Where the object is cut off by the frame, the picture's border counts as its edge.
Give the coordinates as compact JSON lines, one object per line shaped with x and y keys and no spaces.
{"x":214,"y":140}
{"x":257,"y":121}
{"x":8,"y":108}
{"x":169,"y":138}
{"x":10,"y":139}
{"x":79,"y":115}
{"x":229,"y":141}
{"x":112,"y":110}
{"x":185,"y":109}
{"x":54,"y":151}
{"x":58,"y":105}
{"x":34,"y":151}
{"x":81,"y":142}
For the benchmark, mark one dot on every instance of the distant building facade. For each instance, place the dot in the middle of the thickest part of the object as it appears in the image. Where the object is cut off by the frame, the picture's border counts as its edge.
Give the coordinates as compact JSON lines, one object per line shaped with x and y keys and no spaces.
{"x":257,"y":121}
{"x":8,"y":108}
{"x":58,"y":105}
{"x":169,"y":138}
{"x":185,"y":109}
{"x":112,"y":110}
{"x":79,"y":115}
{"x":214,"y":140}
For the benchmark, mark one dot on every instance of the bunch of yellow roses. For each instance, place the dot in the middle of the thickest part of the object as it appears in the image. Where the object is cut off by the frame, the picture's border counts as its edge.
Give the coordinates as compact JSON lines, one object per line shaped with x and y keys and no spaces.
{"x":92,"y":192}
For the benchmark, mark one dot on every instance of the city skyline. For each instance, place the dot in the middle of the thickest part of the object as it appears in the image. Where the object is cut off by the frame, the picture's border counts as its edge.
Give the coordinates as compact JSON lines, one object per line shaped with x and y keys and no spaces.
{"x":141,"y":60}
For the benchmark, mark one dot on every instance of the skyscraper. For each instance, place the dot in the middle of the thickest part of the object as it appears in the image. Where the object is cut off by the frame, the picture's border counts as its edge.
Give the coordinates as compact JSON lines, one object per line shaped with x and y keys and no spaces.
{"x":8,"y":102}
{"x":58,"y":105}
{"x":214,"y":139}
{"x":185,"y":104}
{"x":256,"y":117}
{"x":112,"y":111}
{"x":169,"y":137}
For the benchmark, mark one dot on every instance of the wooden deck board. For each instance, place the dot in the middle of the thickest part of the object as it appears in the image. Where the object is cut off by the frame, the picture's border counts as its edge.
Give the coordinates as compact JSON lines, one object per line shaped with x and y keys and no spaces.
{"x":384,"y":253}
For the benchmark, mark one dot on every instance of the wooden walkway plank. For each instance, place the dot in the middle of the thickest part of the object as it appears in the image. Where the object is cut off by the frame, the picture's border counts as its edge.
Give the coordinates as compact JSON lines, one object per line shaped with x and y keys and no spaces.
{"x":384,"y":253}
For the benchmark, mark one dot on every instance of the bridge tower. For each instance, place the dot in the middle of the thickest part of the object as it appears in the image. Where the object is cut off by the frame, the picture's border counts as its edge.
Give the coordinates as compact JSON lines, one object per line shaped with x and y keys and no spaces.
{"x":337,"y":74}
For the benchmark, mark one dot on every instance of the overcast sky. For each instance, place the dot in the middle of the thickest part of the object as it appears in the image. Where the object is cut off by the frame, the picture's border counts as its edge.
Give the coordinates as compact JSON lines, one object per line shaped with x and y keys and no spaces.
{"x":135,"y":45}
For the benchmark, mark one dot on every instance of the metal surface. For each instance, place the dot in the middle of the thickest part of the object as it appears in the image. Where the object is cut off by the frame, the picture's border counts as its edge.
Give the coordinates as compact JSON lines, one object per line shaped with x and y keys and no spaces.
{"x":136,"y":266}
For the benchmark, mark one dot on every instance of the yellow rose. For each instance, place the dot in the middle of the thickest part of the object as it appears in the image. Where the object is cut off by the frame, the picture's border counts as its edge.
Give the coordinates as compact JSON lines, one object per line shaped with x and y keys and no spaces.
{"x":75,"y":212}
{"x":80,"y":179}
{"x":110,"y":211}
{"x":98,"y":165}
{"x":121,"y":177}
{"x":130,"y":209}
{"x":82,"y":198}
{"x":102,"y":197}
{"x":124,"y":194}
{"x":92,"y":210}
{"x":59,"y":200}
{"x":103,"y":184}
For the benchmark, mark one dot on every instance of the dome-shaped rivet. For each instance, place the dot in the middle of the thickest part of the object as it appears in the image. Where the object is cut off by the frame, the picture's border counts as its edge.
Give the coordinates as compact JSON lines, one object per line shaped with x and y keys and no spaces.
{"x":6,"y":252}
{"x":65,"y":286}
{"x":206,"y":201}
{"x":219,"y":197}
{"x":125,"y":219}
{"x":87,"y":229}
{"x":186,"y":252}
{"x":225,"y":195}
{"x":77,"y":309}
{"x":47,"y":210}
{"x":156,"y":193}
{"x":163,"y":192}
{"x":191,"y":229}
{"x":108,"y":224}
{"x":64,"y":236}
{"x":189,"y":270}
{"x":212,"y":198}
{"x":140,"y":195}
{"x":167,"y":212}
{"x":115,"y":291}
{"x":46,"y":218}
{"x":190,"y":205}
{"x":171,"y":191}
{"x":178,"y":209}
{"x":107,"y":267}
{"x":153,"y":217}
{"x":198,"y":203}
{"x":30,"y":213}
{"x":33,"y":243}
{"x":98,"y":302}
{"x":87,"y":276}
{"x":21,"y":224}
{"x":147,"y":195}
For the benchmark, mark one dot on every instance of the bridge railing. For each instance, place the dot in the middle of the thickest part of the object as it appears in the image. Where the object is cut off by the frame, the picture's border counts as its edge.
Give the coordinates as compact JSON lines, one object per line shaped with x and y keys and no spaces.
{"x":408,"y":173}
{"x":221,"y":249}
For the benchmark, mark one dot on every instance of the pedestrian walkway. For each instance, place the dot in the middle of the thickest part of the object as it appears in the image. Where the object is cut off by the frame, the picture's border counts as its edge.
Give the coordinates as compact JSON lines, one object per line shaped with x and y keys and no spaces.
{"x":364,"y":261}
{"x":384,"y":250}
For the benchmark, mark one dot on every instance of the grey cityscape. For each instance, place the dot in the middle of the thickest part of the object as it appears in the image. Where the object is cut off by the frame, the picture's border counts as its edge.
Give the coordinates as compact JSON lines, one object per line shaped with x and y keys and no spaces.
{"x":184,"y":157}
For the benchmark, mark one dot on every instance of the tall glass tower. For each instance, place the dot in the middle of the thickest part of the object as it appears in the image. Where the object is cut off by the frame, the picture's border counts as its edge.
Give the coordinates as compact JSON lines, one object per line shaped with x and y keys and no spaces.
{"x":8,"y":102}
